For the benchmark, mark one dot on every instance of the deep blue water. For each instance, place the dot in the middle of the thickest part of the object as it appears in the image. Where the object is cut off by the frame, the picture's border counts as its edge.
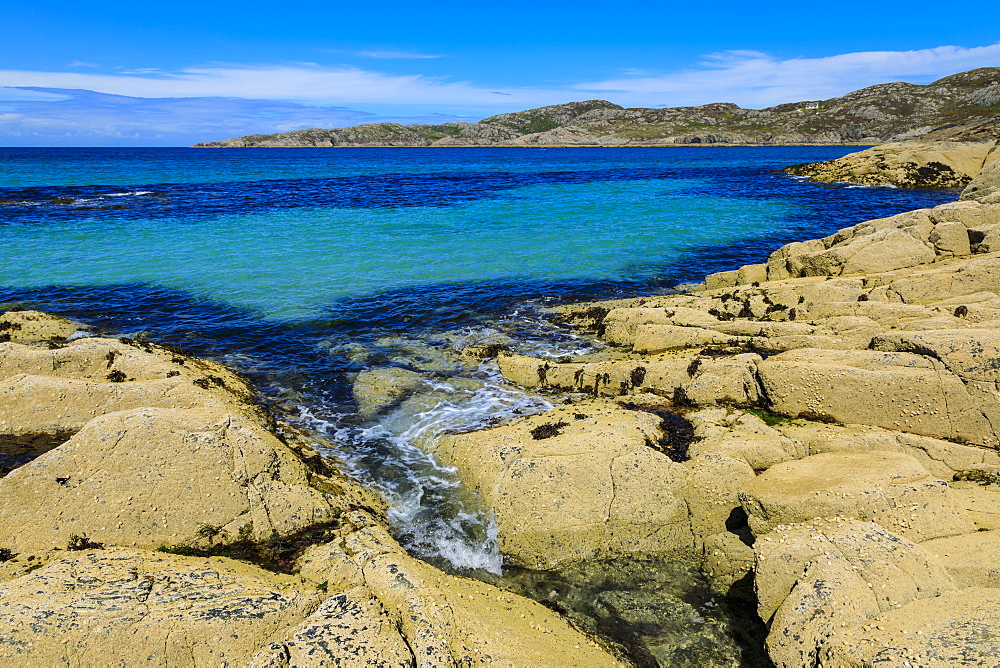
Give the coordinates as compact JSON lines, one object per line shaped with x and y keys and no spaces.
{"x":286,"y":262}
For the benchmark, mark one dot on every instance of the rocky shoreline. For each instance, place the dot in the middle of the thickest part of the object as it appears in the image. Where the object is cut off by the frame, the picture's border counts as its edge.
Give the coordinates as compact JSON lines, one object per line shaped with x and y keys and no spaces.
{"x":815,"y":436}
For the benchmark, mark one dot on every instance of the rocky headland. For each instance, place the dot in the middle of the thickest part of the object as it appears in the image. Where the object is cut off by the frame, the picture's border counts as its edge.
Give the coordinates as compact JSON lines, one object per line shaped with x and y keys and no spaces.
{"x":949,"y":107}
{"x":814,"y":438}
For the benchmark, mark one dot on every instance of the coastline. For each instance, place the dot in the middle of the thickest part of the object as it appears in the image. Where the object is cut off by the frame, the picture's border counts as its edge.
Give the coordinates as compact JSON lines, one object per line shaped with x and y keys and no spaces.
{"x":678,"y":499}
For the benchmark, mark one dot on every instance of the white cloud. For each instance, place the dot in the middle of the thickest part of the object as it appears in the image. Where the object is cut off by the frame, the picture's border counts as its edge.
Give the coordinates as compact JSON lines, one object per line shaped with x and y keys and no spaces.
{"x":389,"y":54}
{"x":303,"y":82}
{"x":755,"y":79}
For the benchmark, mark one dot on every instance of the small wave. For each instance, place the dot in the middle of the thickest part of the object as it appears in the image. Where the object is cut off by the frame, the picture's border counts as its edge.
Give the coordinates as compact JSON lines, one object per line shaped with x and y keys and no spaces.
{"x":130,"y":193}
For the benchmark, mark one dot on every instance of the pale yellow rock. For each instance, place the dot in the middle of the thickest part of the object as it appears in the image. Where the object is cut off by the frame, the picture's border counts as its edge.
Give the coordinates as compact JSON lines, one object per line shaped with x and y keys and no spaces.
{"x":814,"y":579}
{"x":972,"y":559}
{"x":711,"y":491}
{"x":910,"y":164}
{"x":730,"y":381}
{"x":350,"y":628}
{"x":985,"y":186}
{"x":588,"y":484}
{"x":34,"y":326}
{"x":122,"y":607}
{"x":889,"y":488}
{"x":96,"y":358}
{"x":51,"y":405}
{"x":620,"y":324}
{"x":894,"y":390}
{"x":150,"y":477}
{"x":980,"y":502}
{"x":741,"y":436}
{"x":941,"y":458}
{"x":448,"y":620}
{"x":651,"y":338}
{"x":955,"y":629}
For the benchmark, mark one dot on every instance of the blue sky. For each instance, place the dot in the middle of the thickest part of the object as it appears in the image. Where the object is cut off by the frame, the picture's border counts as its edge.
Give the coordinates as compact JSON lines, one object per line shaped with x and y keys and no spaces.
{"x":172,"y":73}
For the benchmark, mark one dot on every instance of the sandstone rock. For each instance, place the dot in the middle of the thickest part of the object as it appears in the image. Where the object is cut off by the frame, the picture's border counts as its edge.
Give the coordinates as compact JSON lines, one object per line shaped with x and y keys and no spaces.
{"x":711,"y":491}
{"x":726,"y":560}
{"x":34,"y":326}
{"x":915,"y":164}
{"x":941,"y":458}
{"x":814,"y":579}
{"x":657,"y":338}
{"x":349,"y":628}
{"x":445,"y":620}
{"x":893,"y":390}
{"x":731,"y":381}
{"x":955,"y":629}
{"x":118,"y":607}
{"x":576,"y":482}
{"x":741,"y":436}
{"x":980,"y":502}
{"x":150,"y":477}
{"x":378,"y":389}
{"x":610,"y":378}
{"x":972,"y":559}
{"x":985,"y":187}
{"x":31,"y":405}
{"x":97,"y":358}
{"x":884,"y":487}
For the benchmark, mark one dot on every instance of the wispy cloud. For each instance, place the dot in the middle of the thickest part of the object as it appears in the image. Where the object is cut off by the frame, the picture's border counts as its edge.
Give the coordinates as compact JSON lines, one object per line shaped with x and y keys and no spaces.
{"x":55,"y":117}
{"x":302,"y":82}
{"x":755,"y":79}
{"x":389,"y":54}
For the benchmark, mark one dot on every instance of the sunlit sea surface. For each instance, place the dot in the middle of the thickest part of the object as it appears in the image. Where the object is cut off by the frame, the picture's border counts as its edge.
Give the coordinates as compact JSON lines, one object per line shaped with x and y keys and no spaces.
{"x":302,"y":267}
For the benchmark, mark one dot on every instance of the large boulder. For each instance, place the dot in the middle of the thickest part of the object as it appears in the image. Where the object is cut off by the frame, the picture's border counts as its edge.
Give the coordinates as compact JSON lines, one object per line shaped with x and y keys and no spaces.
{"x":576,"y":482}
{"x":149,"y":477}
{"x":985,"y":187}
{"x":889,"y":488}
{"x":814,"y":579}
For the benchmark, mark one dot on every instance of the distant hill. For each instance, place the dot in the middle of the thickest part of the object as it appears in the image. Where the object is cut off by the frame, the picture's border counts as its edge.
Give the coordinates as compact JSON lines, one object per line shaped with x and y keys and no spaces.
{"x":960,"y":105}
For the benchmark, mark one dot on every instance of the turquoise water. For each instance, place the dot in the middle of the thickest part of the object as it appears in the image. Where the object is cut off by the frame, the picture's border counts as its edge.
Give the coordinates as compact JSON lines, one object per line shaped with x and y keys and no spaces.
{"x":302,"y":267}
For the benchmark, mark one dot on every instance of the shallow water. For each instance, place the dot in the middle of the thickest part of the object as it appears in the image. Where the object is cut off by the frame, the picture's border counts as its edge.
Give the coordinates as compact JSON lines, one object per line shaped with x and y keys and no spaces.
{"x":302,"y":267}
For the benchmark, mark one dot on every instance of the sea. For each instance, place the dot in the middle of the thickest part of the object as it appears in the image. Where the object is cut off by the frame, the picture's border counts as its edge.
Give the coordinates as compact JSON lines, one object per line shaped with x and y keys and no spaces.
{"x":302,"y":268}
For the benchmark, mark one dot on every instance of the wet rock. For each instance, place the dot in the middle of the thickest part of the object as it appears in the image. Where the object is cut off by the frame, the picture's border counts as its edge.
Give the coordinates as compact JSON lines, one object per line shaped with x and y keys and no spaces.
{"x":378,"y":389}
{"x":445,"y":620}
{"x":889,"y":488}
